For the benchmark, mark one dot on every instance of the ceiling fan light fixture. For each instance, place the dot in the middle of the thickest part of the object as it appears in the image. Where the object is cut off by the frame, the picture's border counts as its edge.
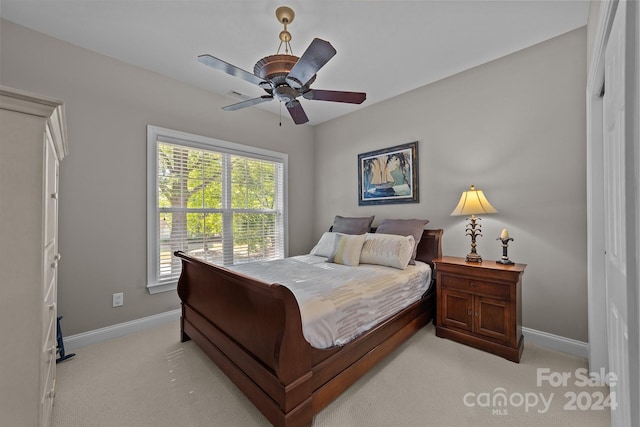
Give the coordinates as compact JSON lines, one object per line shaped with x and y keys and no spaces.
{"x":285,"y":93}
{"x":274,"y":66}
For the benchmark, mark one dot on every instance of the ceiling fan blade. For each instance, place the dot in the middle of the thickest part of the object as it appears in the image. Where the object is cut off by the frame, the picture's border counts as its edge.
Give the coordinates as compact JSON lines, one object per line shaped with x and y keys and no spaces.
{"x":219,"y":64}
{"x":297,"y":112}
{"x":248,"y":103}
{"x":335,"y":96}
{"x":317,"y":54}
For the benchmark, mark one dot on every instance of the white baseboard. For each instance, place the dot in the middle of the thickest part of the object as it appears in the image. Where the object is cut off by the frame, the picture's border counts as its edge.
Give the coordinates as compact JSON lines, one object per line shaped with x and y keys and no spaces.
{"x":556,"y":342}
{"x":543,"y":339}
{"x":84,"y":339}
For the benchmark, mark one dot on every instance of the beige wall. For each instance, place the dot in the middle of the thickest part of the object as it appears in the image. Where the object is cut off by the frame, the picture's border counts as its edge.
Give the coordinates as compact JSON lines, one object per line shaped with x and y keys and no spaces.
{"x":103,"y":180}
{"x":514,"y":127}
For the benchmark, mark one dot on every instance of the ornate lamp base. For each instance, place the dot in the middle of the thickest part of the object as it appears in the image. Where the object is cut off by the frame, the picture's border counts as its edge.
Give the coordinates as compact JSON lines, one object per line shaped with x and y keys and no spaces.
{"x":473,"y":230}
{"x":474,"y":257}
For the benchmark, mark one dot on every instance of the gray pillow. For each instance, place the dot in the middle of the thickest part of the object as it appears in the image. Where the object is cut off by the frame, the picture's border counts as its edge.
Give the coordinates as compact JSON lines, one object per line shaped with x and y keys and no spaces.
{"x":404,"y":227}
{"x":352,"y":225}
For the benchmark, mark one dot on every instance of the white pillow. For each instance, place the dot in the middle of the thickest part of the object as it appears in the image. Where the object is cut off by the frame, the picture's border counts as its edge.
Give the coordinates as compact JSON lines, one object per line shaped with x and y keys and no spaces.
{"x":347,"y":249}
{"x":390,"y":250}
{"x":325,"y":245}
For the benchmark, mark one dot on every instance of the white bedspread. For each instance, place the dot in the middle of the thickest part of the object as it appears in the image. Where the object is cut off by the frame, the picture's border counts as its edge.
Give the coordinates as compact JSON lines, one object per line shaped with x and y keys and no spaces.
{"x":337,"y":302}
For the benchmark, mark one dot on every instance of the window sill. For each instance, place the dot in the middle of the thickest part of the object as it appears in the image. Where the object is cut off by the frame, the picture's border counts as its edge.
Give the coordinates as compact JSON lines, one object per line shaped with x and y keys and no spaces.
{"x":159,"y":288}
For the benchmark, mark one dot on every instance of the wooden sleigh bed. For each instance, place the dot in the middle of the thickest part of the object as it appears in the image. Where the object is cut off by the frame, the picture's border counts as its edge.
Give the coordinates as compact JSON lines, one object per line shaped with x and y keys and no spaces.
{"x":253,"y":331}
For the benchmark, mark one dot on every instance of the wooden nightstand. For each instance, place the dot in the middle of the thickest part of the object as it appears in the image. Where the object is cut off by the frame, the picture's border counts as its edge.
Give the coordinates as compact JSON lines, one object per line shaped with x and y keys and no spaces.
{"x":480,"y":304}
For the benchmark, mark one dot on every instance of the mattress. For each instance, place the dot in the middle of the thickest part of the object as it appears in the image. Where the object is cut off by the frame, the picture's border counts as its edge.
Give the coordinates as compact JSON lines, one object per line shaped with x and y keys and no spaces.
{"x":337,"y":302}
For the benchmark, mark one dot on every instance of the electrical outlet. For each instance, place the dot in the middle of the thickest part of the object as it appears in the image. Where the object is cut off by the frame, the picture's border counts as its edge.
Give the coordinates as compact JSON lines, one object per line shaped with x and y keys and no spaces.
{"x":118,"y":299}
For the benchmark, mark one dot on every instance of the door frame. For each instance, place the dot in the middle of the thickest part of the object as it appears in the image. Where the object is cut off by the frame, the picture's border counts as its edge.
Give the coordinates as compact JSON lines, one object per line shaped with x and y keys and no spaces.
{"x":598,"y":357}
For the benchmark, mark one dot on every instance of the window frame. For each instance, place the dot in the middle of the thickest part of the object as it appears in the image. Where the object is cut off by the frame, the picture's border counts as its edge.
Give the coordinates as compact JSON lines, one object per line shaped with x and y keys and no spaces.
{"x":155,"y":135}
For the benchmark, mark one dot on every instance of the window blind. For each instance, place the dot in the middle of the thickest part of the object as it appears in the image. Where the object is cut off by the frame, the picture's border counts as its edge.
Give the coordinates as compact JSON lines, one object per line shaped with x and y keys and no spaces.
{"x":216,"y":205}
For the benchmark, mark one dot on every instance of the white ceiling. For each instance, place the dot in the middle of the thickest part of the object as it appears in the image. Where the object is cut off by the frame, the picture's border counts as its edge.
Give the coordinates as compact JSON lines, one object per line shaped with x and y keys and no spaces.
{"x":385,"y":48}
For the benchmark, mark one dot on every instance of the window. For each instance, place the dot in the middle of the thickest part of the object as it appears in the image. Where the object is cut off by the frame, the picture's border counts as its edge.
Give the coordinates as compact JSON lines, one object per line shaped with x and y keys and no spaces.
{"x":215,"y":200}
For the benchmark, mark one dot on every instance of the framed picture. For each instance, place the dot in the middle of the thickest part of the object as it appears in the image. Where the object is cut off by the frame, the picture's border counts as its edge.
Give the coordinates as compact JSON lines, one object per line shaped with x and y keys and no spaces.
{"x":389,"y":175}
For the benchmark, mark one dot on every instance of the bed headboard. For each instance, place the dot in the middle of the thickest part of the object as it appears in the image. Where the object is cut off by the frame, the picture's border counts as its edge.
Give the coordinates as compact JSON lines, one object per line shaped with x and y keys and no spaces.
{"x":430,"y":246}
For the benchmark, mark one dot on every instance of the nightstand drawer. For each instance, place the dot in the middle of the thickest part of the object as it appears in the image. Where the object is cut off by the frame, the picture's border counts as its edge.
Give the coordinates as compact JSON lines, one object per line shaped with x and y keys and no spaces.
{"x":475,"y":286}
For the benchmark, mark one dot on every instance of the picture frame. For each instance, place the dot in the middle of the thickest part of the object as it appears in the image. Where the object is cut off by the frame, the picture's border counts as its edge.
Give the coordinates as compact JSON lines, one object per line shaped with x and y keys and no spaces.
{"x":389,"y":175}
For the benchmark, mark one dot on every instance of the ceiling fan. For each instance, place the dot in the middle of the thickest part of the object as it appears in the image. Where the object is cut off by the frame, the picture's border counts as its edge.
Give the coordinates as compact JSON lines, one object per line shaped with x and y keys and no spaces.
{"x":285,"y":77}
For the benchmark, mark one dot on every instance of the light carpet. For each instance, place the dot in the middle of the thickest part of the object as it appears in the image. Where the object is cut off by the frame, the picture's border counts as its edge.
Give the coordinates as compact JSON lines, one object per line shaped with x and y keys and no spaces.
{"x":151,"y":379}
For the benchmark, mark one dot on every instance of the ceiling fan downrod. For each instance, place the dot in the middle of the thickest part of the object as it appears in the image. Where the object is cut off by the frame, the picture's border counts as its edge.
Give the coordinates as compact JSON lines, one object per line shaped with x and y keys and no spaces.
{"x":285,"y":16}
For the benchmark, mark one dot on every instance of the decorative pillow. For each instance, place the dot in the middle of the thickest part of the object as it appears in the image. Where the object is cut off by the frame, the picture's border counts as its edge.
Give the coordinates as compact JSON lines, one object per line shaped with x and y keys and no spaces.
{"x":325,"y":245}
{"x":390,"y":250}
{"x":347,"y":249}
{"x":404,"y":227}
{"x":352,"y":225}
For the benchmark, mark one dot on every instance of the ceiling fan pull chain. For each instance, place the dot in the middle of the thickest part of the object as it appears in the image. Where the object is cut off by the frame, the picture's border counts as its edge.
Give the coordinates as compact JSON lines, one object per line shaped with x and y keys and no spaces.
{"x":280,"y":113}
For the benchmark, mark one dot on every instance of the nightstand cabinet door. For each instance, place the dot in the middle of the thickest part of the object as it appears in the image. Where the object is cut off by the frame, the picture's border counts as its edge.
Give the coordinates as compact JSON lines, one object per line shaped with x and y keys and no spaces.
{"x":457,"y":309}
{"x":491,"y":318}
{"x":479,"y":304}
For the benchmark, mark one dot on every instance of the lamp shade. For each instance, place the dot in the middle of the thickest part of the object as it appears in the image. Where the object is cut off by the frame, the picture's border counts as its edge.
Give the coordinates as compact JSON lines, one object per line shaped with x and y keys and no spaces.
{"x":473,"y":202}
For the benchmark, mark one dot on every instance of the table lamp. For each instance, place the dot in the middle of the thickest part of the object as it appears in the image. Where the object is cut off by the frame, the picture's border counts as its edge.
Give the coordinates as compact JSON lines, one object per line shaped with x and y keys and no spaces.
{"x":473,"y":202}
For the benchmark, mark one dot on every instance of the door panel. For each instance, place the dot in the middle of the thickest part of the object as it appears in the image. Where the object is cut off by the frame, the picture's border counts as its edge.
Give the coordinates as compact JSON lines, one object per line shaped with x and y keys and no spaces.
{"x":615,"y":218}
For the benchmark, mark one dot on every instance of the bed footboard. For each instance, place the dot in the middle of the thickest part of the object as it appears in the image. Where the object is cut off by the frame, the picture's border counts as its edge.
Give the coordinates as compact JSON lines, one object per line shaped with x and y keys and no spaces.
{"x":253,"y":331}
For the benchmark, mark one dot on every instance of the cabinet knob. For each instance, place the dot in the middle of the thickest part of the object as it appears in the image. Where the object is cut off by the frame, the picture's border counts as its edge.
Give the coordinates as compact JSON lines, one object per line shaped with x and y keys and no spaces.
{"x":469,"y":312}
{"x":477,"y":314}
{"x":472,"y":284}
{"x":54,"y":196}
{"x":52,"y":306}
